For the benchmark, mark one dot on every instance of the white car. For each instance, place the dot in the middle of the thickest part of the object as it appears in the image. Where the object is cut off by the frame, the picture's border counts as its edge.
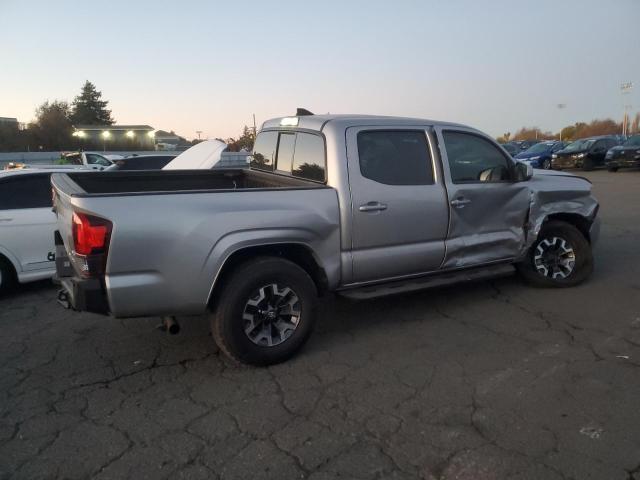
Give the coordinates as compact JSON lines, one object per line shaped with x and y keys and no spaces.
{"x":27,"y":250}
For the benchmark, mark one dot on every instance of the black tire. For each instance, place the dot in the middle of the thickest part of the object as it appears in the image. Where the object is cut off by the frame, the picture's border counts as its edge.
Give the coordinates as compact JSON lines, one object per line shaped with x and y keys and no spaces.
{"x":227,"y":319}
{"x":7,"y":276}
{"x":583,"y":265}
{"x":546,"y":164}
{"x":612,"y":169}
{"x":587,"y":164}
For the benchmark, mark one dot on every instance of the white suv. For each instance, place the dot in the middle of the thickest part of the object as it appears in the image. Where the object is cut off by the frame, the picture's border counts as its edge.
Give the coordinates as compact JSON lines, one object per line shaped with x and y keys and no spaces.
{"x":26,"y":226}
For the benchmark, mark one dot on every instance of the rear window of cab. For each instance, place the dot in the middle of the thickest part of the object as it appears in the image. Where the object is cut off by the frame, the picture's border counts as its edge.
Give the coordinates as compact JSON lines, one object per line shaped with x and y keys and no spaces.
{"x":298,"y":154}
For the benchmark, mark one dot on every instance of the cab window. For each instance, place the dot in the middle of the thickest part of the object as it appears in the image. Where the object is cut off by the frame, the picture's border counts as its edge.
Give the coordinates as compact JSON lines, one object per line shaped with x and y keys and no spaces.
{"x":473,"y":159}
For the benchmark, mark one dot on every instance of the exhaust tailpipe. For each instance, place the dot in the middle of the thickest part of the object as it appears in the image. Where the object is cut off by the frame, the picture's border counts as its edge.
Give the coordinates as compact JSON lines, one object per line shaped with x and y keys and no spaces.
{"x":170,"y":325}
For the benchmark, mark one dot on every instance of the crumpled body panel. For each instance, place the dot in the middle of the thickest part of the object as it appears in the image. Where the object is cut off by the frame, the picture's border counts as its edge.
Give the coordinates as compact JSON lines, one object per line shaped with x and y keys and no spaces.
{"x":553,"y":193}
{"x":502,"y":222}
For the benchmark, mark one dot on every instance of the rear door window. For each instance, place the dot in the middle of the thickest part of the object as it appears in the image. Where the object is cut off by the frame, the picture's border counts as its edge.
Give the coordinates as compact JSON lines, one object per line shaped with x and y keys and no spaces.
{"x":25,"y":191}
{"x":395,"y":157}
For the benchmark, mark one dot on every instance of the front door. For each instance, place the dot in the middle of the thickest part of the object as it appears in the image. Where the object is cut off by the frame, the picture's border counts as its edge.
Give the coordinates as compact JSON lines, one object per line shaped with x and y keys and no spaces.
{"x":399,"y":204}
{"x":488,"y":208}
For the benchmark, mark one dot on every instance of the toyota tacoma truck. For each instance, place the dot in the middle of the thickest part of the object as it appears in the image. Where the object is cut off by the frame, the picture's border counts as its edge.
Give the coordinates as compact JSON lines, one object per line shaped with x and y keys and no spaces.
{"x":358,"y":205}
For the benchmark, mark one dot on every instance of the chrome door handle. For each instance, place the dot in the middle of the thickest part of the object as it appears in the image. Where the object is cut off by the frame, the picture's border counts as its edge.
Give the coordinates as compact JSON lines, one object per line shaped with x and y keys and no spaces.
{"x":372,"y":207}
{"x":460,"y":202}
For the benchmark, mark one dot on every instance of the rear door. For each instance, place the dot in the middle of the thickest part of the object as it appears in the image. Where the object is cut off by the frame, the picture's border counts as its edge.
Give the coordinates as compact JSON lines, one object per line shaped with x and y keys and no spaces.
{"x":26,"y":220}
{"x":489,"y":209}
{"x":399,"y":204}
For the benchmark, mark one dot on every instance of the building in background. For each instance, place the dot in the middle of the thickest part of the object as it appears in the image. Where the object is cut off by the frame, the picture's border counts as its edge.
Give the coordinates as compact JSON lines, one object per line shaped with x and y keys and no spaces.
{"x":116,"y":137}
{"x":8,"y":121}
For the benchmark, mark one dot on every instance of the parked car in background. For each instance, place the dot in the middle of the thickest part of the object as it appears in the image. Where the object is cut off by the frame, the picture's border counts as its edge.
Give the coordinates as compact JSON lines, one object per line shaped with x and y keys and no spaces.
{"x":586,"y":153}
{"x":27,"y":224}
{"x":141,"y":162}
{"x":511,"y":148}
{"x":625,"y":155}
{"x":539,"y":155}
{"x":361,"y":205}
{"x":525,"y":144}
{"x":96,"y":161}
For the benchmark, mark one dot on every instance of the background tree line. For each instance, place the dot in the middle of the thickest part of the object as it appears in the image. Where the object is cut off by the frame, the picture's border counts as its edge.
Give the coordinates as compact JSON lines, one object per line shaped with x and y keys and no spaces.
{"x":53,"y":124}
{"x":605,"y":126}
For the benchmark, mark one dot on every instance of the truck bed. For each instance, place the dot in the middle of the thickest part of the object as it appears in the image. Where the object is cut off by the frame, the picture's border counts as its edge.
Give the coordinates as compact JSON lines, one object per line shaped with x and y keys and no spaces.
{"x":85,"y":184}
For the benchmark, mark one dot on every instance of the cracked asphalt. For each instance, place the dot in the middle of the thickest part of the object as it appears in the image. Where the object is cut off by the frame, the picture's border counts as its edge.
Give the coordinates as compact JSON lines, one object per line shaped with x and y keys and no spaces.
{"x":492,"y":380}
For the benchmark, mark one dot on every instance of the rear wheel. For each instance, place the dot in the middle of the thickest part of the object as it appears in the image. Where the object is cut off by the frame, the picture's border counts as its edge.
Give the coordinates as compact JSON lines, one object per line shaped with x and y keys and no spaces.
{"x":265,"y":312}
{"x":560,"y":257}
{"x":612,"y":169}
{"x":7,"y":275}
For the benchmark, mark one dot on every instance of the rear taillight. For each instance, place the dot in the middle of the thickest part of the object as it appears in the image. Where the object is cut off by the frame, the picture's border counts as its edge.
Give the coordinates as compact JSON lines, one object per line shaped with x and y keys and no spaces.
{"x":90,"y":234}
{"x":91,"y":237}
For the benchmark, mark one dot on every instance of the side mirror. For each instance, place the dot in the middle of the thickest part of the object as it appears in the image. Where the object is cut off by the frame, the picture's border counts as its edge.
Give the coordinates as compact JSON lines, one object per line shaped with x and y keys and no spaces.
{"x":524,"y":171}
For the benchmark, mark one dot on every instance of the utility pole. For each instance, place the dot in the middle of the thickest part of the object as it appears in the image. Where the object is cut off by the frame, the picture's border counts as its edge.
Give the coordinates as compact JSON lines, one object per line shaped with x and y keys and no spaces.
{"x":198,"y":132}
{"x":625,"y":89}
{"x":254,"y":127}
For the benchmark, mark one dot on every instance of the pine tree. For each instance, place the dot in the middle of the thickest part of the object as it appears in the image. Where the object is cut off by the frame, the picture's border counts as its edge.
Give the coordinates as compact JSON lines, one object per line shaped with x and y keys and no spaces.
{"x":89,"y":108}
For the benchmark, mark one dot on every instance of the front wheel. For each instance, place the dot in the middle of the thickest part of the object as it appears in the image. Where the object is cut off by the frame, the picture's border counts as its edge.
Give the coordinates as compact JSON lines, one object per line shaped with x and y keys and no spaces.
{"x":560,"y":257}
{"x":546,"y":164}
{"x":265,"y":312}
{"x":587,"y":164}
{"x":612,"y":169}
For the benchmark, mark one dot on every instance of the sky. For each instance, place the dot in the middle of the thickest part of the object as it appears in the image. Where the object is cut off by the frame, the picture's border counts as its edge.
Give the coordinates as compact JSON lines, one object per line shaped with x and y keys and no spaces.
{"x":210,"y":65}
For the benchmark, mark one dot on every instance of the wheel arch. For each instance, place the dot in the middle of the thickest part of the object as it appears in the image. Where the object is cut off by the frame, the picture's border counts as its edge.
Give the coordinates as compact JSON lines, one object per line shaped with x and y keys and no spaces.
{"x":11,"y":259}
{"x":582,"y":223}
{"x":298,"y":253}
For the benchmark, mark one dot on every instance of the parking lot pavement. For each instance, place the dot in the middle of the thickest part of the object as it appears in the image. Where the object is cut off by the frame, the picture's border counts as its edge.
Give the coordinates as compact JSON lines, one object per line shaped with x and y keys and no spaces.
{"x":486,"y":381}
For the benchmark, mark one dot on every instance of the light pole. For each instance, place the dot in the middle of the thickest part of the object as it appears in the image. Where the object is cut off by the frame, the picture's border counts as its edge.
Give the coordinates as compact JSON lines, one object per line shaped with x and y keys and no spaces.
{"x":561,"y":106}
{"x":105,"y":136}
{"x":198,"y":132}
{"x":625,"y":89}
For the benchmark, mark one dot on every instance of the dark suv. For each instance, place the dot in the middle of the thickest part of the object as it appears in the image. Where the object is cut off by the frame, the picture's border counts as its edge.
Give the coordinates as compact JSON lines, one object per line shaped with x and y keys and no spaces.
{"x":625,"y":155}
{"x":586,"y":153}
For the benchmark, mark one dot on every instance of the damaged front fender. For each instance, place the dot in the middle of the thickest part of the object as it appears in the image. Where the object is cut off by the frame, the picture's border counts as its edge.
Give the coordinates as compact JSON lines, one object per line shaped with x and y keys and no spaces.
{"x":561,"y":196}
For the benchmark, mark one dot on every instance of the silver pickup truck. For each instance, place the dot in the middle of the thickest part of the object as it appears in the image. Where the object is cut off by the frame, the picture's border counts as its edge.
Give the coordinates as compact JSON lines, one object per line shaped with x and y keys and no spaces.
{"x":357,"y":205}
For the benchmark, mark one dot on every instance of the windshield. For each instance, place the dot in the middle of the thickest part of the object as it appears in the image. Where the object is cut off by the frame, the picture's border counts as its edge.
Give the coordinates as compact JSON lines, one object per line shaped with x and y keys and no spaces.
{"x":579,"y":145}
{"x":633,"y":141}
{"x":540,"y":148}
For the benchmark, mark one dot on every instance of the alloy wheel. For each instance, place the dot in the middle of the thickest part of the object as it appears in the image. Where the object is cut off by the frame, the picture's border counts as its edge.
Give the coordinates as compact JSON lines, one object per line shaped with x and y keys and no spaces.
{"x":271,"y":315}
{"x":554,"y":258}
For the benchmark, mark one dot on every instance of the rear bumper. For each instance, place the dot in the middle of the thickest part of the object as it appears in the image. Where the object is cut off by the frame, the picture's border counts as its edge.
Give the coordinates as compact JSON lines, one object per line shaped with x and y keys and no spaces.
{"x":77,"y":293}
{"x":83,"y":295}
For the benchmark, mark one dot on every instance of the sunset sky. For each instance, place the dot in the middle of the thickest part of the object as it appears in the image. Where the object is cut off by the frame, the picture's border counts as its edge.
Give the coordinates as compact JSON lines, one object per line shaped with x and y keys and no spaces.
{"x":197,"y":65}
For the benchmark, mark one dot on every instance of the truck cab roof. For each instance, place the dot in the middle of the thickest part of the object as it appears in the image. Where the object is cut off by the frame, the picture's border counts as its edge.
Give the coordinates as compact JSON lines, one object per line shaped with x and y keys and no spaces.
{"x":319,"y":122}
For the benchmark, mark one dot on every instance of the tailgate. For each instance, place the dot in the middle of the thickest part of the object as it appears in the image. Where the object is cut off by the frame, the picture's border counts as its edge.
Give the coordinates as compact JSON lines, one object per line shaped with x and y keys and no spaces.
{"x":80,"y":290}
